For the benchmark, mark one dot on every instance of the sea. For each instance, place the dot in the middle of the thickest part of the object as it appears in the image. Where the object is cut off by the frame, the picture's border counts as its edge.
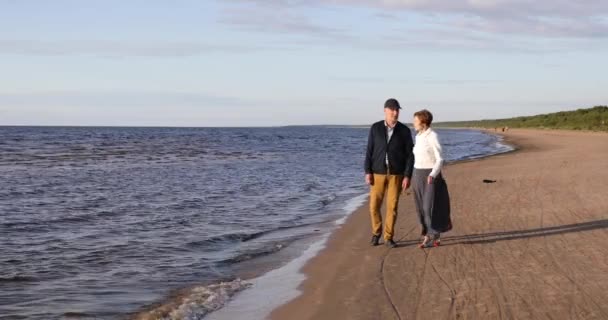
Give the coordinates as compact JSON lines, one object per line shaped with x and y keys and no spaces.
{"x":176,"y":223}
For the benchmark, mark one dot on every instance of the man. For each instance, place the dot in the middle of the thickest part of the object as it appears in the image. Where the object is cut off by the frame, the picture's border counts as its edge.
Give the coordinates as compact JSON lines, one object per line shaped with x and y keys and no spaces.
{"x":388,"y":168}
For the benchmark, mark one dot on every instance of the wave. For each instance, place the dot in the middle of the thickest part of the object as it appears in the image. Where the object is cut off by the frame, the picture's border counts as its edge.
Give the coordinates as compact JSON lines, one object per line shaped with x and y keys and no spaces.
{"x":255,"y":253}
{"x":327,"y":200}
{"x":16,"y":278}
{"x":78,"y":315}
{"x":352,"y":205}
{"x":196,"y":302}
{"x":228,"y":237}
{"x":248,"y":236}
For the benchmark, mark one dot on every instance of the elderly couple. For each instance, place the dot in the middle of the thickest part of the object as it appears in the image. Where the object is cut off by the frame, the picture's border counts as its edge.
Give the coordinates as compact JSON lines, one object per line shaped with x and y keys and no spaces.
{"x":393,"y":161}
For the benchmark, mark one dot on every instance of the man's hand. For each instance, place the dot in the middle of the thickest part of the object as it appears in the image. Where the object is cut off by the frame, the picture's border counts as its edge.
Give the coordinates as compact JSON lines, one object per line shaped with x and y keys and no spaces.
{"x":406,"y":183}
{"x":369,"y":179}
{"x":429,"y":180}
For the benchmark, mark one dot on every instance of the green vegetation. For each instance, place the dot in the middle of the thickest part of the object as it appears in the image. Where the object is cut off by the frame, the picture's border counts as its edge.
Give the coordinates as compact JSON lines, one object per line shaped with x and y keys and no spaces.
{"x":595,"y":119}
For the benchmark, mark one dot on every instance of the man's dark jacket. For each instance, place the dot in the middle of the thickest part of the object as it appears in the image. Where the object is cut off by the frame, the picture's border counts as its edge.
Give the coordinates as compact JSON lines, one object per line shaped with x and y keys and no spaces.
{"x":399,"y":149}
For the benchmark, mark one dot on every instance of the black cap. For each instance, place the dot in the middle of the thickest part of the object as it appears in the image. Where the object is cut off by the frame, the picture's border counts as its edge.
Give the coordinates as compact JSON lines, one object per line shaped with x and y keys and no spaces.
{"x":392,"y":104}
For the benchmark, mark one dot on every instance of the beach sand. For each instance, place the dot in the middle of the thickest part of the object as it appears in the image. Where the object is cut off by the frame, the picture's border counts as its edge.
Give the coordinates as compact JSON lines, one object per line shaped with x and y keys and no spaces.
{"x":531,"y":245}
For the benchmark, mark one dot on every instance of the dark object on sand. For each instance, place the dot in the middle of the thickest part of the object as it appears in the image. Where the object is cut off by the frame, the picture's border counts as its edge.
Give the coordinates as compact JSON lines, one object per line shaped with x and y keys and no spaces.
{"x":488,"y":181}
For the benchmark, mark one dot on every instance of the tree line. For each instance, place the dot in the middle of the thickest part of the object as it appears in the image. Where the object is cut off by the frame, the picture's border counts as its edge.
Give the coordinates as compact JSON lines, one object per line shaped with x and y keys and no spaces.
{"x":595,"y":119}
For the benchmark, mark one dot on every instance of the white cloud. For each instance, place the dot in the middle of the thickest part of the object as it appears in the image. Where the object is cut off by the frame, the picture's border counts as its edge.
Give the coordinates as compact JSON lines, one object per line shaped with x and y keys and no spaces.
{"x":120,"y":99}
{"x":487,"y":8}
{"x":537,"y":19}
{"x":110,"y":48}
{"x":270,"y":20}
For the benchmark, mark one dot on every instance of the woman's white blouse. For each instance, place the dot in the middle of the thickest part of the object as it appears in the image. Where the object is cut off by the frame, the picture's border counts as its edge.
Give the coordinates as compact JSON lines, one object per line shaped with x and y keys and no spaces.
{"x":427,"y":152}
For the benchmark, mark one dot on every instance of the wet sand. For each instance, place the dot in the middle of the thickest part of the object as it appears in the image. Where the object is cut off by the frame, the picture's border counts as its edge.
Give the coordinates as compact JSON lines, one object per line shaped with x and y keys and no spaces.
{"x":532,"y":245}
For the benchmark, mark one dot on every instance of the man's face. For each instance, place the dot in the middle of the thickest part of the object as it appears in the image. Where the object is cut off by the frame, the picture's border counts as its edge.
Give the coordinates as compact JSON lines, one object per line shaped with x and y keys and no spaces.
{"x":391,"y":115}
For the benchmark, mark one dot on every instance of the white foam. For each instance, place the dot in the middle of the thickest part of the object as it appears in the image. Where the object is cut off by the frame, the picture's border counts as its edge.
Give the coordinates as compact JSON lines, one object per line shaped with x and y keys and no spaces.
{"x":204,"y":299}
{"x":270,"y":290}
{"x":500,"y":143}
{"x":351,"y":206}
{"x":278,"y":286}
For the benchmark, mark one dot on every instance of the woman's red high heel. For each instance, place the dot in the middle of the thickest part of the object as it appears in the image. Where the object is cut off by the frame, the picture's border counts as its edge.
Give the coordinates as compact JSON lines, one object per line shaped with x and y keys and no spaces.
{"x":425,"y":242}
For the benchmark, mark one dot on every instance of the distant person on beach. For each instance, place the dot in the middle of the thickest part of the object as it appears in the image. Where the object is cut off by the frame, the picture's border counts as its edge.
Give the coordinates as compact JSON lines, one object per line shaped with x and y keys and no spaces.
{"x":430,"y":189}
{"x":388,"y":168}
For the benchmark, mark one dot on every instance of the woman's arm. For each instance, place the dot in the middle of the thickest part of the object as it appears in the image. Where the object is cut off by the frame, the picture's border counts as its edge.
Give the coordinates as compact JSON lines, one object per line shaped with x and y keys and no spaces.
{"x":437,"y":151}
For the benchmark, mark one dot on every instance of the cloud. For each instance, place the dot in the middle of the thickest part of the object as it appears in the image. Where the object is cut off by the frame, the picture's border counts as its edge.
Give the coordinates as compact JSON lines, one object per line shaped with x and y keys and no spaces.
{"x":108,"y":48}
{"x":286,"y":22}
{"x":143,"y":100}
{"x":421,"y":80}
{"x":562,"y":19}
{"x":119,"y":99}
{"x":286,"y":19}
{"x":531,"y":26}
{"x":490,"y":8}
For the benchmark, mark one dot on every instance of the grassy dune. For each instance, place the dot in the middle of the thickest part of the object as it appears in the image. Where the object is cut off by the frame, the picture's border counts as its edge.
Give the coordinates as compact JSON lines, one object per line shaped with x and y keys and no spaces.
{"x":595,"y":119}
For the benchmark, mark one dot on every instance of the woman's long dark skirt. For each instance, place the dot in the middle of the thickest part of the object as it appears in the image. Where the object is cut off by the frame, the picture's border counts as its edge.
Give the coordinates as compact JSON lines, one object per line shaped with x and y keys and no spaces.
{"x":432,"y":202}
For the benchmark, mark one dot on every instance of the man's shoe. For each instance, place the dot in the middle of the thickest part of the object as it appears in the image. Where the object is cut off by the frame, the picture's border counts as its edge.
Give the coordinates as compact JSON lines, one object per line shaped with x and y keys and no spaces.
{"x":375,"y":240}
{"x":391,"y":244}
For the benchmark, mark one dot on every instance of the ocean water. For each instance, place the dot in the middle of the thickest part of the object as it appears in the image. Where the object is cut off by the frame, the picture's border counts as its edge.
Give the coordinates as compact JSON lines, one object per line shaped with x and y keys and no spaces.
{"x":105,"y":222}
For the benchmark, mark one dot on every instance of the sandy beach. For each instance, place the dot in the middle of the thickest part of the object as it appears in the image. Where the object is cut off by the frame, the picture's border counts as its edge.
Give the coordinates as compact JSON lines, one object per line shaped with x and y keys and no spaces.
{"x":532,"y":245}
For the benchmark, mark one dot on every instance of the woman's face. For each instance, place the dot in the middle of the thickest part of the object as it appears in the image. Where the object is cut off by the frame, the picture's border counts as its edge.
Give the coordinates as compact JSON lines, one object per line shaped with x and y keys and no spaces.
{"x":418,"y":126}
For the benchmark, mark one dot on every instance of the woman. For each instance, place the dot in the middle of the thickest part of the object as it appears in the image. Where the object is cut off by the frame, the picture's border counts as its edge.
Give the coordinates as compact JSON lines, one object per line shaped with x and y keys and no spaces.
{"x":430,"y":190}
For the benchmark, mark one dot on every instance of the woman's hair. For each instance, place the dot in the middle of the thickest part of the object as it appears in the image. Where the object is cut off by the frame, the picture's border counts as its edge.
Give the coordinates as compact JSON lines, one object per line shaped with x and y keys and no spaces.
{"x":425,"y":116}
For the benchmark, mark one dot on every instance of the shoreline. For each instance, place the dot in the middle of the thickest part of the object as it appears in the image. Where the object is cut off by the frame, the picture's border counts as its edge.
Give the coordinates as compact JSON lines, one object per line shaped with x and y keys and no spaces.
{"x":238,"y":294}
{"x":323,"y":272}
{"x":281,"y":285}
{"x":322,"y":245}
{"x":259,"y":274}
{"x":290,"y":272}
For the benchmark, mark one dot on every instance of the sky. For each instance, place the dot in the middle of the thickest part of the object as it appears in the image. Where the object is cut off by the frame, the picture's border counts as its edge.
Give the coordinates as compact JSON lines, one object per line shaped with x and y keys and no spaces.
{"x":286,"y":62}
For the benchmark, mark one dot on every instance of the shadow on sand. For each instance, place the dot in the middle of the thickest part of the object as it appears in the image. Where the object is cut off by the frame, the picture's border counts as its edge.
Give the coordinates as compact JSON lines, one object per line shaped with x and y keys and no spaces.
{"x":516,"y":234}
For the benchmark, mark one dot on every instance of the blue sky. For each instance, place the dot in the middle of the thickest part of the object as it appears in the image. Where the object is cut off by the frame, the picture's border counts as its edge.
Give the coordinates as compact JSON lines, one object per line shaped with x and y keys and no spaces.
{"x":280,"y":62}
